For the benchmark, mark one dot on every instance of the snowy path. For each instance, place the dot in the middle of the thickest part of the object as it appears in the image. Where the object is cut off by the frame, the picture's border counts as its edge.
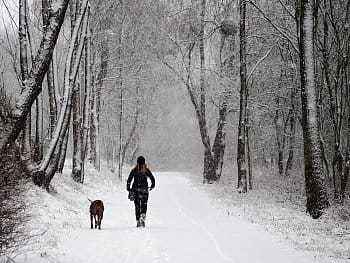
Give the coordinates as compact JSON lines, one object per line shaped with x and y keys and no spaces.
{"x":182,"y":226}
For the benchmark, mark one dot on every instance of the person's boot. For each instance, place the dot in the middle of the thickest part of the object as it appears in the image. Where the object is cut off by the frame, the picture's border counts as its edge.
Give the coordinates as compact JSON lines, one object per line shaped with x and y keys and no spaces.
{"x":142,"y":220}
{"x":138,"y":223}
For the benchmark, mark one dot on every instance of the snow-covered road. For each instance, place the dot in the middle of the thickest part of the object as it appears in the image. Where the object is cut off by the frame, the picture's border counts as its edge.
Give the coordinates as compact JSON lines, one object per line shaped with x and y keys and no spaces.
{"x":182,"y":226}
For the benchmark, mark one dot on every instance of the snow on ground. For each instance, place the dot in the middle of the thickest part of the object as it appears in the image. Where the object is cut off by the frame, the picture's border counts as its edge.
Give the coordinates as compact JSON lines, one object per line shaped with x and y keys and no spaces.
{"x":278,"y":205}
{"x":182,"y":226}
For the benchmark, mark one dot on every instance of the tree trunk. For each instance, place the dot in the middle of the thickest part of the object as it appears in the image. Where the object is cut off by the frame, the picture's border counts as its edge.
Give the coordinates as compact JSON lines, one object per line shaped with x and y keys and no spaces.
{"x":279,"y":134}
{"x":23,"y":56}
{"x":241,"y":161}
{"x":316,"y":194}
{"x":76,"y":101}
{"x":249,"y":159}
{"x":86,"y":98}
{"x":38,"y":145}
{"x":292,"y":122}
{"x":50,"y":76}
{"x":345,"y":177}
{"x":63,"y":152}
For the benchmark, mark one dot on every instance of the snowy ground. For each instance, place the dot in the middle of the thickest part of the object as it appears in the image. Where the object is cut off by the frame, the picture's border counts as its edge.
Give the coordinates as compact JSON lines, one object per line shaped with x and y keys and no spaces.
{"x":182,"y":226}
{"x":277,"y":204}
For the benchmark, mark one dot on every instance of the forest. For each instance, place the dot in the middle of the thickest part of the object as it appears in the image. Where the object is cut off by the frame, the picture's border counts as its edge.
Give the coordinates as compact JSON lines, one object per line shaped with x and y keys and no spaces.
{"x":227,"y":87}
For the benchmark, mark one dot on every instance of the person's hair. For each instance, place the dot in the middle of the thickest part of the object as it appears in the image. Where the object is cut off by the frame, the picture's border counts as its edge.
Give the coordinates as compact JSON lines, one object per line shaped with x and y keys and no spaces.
{"x":142,"y":168}
{"x":141,"y":165}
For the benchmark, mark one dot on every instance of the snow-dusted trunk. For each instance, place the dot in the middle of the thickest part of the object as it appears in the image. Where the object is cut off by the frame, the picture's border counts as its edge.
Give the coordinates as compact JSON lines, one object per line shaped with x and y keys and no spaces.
{"x":32,"y":87}
{"x":279,"y":136}
{"x":218,"y":149}
{"x":52,"y":100}
{"x":211,"y":156}
{"x":57,"y":154}
{"x":38,"y":145}
{"x":249,"y":159}
{"x":202,"y":98}
{"x":292,"y":123}
{"x":241,"y":159}
{"x":95,"y":116}
{"x":121,"y":93}
{"x":86,"y":97}
{"x":23,"y":57}
{"x":50,"y":76}
{"x":76,"y":113}
{"x":63,"y":152}
{"x":316,"y":194}
{"x":345,"y":177}
{"x":77,"y":147}
{"x":92,"y":127}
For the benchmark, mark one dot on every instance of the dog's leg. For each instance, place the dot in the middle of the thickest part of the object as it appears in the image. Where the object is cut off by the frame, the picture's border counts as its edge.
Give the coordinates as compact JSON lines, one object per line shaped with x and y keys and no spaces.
{"x":99,"y":222}
{"x":96,"y":222}
{"x":91,"y":219}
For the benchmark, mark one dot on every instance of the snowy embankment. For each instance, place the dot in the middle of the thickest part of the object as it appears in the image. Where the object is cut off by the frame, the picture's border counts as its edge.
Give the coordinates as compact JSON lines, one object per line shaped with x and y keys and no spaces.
{"x":182,"y":225}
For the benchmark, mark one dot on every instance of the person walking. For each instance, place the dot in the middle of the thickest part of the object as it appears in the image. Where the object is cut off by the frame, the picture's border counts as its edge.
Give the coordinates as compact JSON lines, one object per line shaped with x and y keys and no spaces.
{"x":140,"y":189}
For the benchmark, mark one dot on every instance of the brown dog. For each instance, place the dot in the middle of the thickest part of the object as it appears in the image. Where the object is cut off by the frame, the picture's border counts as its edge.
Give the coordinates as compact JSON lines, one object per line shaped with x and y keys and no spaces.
{"x":96,"y":212}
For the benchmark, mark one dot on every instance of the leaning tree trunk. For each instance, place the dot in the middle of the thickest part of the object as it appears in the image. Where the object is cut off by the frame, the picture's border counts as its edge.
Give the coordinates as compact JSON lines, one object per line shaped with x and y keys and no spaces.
{"x":241,"y":160}
{"x":316,"y":195}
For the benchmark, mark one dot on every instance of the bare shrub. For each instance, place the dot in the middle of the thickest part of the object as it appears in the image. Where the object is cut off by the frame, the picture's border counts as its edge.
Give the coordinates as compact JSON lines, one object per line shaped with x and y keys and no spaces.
{"x":13,"y":175}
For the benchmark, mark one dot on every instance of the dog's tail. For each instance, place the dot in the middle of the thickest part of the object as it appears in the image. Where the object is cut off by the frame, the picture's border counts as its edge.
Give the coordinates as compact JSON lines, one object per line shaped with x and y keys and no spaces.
{"x":89,"y":200}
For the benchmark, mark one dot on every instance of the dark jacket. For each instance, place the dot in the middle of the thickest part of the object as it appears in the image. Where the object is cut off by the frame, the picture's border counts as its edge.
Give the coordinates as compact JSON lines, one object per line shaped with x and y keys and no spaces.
{"x":140,"y":183}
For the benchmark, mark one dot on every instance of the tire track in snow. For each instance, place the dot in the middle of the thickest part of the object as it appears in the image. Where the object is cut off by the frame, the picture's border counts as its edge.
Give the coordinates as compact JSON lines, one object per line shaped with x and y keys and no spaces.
{"x":204,"y":229}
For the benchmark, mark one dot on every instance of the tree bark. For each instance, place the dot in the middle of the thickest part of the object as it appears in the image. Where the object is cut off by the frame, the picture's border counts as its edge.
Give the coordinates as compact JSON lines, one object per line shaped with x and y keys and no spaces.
{"x":86,"y":98}
{"x":292,"y":122}
{"x":241,"y":160}
{"x":50,"y":78}
{"x":24,"y":68}
{"x":316,"y":194}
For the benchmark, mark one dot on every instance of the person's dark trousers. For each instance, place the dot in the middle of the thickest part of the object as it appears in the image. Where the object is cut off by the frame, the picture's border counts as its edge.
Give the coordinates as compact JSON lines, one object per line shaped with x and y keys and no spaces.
{"x":140,"y":204}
